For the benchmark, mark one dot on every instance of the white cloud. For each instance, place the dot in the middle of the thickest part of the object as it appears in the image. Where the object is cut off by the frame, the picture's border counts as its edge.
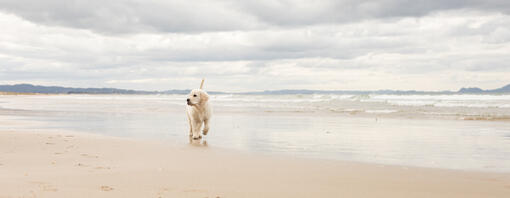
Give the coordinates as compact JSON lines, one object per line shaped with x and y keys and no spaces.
{"x":436,"y":48}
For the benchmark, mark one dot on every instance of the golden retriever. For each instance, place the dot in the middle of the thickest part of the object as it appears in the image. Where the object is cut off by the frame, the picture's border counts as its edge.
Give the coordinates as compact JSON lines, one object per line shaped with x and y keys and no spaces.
{"x":198,"y":112}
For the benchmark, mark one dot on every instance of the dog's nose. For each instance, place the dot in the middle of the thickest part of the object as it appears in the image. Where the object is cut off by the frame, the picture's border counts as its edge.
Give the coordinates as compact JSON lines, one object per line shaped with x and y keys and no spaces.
{"x":187,"y":100}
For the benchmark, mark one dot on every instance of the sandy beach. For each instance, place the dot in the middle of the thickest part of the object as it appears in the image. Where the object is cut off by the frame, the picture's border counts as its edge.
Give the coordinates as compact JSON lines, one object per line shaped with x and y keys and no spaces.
{"x":67,"y":164}
{"x":285,"y":99}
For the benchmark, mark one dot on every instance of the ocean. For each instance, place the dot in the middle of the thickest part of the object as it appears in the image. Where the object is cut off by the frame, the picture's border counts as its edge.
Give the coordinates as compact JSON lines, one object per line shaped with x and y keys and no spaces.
{"x":462,"y":132}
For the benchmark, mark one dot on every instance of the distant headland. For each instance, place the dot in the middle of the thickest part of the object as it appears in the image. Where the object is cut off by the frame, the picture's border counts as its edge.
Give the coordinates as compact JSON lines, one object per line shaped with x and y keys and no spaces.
{"x":29,"y":88}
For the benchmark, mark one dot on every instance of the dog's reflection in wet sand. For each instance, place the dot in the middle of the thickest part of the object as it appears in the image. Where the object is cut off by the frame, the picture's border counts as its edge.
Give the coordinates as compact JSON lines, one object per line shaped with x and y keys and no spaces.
{"x":197,"y":142}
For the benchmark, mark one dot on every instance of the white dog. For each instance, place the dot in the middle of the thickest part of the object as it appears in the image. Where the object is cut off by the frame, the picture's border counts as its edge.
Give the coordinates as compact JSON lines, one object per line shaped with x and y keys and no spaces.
{"x":198,"y":111}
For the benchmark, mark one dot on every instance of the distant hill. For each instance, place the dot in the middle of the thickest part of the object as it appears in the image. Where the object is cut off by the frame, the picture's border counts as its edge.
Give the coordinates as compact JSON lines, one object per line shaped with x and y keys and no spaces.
{"x":470,"y":90}
{"x":185,"y":91}
{"x":505,"y":89}
{"x":28,"y":88}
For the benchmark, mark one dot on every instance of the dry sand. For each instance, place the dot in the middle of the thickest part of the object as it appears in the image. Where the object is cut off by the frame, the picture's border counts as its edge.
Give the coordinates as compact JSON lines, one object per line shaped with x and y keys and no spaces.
{"x":64,"y":164}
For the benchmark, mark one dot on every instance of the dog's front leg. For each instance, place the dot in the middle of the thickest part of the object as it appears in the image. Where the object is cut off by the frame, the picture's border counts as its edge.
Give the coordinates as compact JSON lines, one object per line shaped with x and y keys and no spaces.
{"x":196,"y":129}
{"x":206,"y":127}
{"x":190,"y":124}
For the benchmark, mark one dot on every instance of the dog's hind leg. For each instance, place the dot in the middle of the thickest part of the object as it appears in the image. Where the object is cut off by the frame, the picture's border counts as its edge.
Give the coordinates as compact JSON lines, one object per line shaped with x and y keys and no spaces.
{"x":206,"y":127}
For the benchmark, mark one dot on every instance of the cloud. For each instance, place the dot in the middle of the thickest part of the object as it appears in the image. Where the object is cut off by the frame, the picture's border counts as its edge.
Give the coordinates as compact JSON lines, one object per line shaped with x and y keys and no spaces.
{"x":126,"y":16}
{"x":239,"y":45}
{"x":139,"y":16}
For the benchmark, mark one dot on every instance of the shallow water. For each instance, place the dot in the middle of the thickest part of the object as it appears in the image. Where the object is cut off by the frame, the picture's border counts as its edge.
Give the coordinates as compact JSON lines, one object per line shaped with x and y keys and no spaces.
{"x":301,"y":126}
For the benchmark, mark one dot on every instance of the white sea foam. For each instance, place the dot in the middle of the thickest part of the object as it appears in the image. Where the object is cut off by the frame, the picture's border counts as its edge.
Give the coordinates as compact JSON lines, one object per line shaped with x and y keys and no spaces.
{"x":472,"y":101}
{"x":381,"y":111}
{"x":430,"y":105}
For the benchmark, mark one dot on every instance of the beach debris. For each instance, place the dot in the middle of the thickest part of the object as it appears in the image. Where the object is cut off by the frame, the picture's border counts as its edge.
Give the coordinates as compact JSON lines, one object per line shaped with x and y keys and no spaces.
{"x":106,"y":188}
{"x":80,"y":164}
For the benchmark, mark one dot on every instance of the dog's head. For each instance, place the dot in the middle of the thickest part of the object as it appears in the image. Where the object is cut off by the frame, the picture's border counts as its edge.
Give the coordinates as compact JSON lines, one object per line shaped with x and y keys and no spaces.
{"x":197,"y":97}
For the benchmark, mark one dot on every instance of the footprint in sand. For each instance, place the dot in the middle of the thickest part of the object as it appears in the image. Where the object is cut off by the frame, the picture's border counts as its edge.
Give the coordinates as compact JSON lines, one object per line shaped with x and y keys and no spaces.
{"x":101,"y":167}
{"x":45,"y":186}
{"x":106,"y":188}
{"x":91,"y":156}
{"x":67,"y":138}
{"x":82,"y":165}
{"x":195,"y":191}
{"x":50,"y":188}
{"x":162,"y":192}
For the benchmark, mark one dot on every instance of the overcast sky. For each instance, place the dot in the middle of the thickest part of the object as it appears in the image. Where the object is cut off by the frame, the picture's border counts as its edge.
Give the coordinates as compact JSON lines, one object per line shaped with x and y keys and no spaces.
{"x":257,"y":45}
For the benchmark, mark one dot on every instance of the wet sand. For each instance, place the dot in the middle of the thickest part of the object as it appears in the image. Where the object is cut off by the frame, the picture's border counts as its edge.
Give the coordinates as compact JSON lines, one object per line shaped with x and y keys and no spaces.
{"x":283,"y":125}
{"x":67,"y":164}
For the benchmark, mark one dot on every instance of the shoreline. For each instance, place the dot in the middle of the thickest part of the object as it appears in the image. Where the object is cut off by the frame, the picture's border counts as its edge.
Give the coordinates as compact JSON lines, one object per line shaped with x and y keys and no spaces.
{"x":23,"y":122}
{"x":72,"y":164}
{"x":402,"y":112}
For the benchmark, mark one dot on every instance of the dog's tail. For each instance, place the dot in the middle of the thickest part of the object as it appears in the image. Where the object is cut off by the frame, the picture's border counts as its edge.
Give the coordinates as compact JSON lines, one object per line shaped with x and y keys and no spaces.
{"x":202,"y":84}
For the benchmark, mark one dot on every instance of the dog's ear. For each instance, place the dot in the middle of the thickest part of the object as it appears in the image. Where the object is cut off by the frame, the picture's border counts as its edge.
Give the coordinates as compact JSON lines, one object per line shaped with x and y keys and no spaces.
{"x":204,"y":97}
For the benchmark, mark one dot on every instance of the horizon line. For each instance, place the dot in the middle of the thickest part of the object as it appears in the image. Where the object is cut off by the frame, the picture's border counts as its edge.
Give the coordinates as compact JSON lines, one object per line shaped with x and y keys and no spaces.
{"x":275,"y":90}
